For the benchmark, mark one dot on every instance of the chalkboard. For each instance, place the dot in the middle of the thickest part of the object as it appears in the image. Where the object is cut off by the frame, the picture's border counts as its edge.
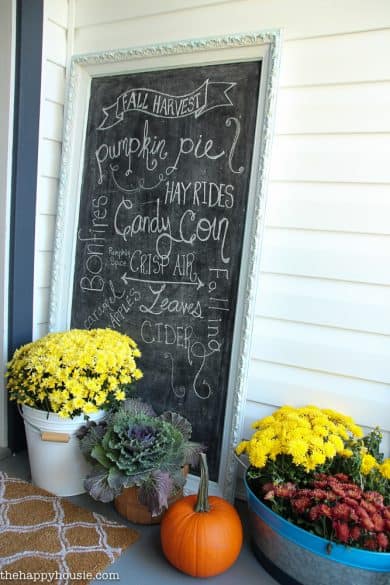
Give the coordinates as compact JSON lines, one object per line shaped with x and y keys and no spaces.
{"x":163,"y":203}
{"x":163,"y":215}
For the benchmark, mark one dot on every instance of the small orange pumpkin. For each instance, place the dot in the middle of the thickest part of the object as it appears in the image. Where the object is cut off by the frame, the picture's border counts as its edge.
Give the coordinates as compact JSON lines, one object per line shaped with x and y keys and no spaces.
{"x":201,"y":535}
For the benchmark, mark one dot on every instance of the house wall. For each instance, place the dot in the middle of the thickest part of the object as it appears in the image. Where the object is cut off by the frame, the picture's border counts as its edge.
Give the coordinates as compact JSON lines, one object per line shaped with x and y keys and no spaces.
{"x":56,"y":50}
{"x":322,"y":323}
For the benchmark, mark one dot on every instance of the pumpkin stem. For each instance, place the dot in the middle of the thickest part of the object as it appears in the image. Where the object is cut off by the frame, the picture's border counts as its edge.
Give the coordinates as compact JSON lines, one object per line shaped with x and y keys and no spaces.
{"x":202,"y":502}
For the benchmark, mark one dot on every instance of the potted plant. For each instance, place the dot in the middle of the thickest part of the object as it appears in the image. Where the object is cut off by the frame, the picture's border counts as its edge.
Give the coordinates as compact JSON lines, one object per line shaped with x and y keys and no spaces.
{"x":139,"y":459}
{"x":60,"y":380}
{"x":319,"y":498}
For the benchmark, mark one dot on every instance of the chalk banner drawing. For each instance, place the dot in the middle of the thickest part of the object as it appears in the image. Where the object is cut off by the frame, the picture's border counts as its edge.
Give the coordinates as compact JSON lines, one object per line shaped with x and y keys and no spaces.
{"x":159,"y":241}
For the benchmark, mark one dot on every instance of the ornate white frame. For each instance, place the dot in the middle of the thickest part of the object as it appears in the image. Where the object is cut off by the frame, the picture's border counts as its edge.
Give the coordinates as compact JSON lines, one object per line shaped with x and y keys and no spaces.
{"x":265,"y":46}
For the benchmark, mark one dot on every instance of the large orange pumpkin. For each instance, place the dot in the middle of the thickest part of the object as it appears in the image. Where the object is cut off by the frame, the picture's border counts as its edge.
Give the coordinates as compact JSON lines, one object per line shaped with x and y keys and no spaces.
{"x":201,"y":535}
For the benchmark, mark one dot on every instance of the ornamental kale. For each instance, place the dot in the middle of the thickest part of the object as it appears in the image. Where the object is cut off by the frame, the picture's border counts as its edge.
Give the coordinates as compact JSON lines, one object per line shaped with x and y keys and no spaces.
{"x":135,"y":447}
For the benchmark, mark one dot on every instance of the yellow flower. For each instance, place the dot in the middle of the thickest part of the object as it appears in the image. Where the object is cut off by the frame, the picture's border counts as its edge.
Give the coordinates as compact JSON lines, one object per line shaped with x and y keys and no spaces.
{"x":89,"y":408}
{"x":92,"y":384}
{"x":124,"y":379}
{"x":71,"y":369}
{"x":241,"y":447}
{"x":56,"y":397}
{"x":100,"y":398}
{"x":75,"y":388}
{"x":346,"y":453}
{"x":65,"y":411}
{"x":368,"y":464}
{"x":298,"y":448}
{"x":309,"y":435}
{"x":78,"y":403}
{"x":64,"y":395}
{"x":337,"y":442}
{"x":318,"y":457}
{"x":357,"y":431}
{"x":120,"y":395}
{"x":257,"y":456}
{"x":316,"y":442}
{"x":320,"y":430}
{"x":329,"y":449}
{"x":384,"y":468}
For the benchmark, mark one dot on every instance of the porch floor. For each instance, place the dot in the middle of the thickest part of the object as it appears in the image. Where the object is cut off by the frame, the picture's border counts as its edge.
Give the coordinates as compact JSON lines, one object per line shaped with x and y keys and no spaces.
{"x":144,"y":563}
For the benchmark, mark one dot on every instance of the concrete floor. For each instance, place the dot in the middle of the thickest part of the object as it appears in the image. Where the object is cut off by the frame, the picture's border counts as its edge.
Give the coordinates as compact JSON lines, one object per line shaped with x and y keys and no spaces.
{"x":144,"y":563}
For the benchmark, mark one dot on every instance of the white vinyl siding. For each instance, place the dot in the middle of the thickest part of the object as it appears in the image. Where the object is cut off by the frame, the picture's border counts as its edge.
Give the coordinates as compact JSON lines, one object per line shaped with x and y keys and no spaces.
{"x":54,"y":61}
{"x":322,"y":325}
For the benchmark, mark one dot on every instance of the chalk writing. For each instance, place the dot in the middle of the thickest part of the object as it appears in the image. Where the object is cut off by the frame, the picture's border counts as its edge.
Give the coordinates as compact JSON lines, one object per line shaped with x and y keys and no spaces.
{"x":208,"y":96}
{"x":162,"y":215}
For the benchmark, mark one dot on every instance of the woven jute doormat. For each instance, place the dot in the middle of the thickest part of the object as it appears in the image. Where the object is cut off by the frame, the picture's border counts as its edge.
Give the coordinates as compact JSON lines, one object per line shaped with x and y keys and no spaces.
{"x":47,"y":539}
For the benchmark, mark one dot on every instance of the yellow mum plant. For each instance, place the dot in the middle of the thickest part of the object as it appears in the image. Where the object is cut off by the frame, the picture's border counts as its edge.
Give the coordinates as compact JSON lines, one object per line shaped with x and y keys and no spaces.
{"x":74,"y":372}
{"x":315,"y":467}
{"x":294,"y":443}
{"x":309,"y":435}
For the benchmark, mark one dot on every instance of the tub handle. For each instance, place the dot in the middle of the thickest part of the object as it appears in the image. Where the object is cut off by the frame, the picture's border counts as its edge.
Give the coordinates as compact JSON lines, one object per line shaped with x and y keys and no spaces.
{"x":242,"y":460}
{"x":55,"y":437}
{"x":47,"y":435}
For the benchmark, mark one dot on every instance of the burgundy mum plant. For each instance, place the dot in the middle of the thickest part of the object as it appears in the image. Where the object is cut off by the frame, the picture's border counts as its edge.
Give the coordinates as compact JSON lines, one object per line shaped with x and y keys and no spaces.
{"x":336,"y":509}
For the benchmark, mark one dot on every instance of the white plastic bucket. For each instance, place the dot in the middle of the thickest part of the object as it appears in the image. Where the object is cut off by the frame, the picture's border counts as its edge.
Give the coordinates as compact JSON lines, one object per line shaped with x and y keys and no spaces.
{"x":58,"y":467}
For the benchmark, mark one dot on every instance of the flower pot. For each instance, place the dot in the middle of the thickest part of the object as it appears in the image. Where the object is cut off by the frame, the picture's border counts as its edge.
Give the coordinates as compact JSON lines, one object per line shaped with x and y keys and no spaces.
{"x":56,"y":462}
{"x":128,"y":505}
{"x":298,"y":557}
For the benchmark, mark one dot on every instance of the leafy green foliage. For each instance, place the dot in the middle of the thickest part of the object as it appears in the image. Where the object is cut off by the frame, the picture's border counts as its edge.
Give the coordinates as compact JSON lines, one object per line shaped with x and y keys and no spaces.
{"x":363,"y":464}
{"x":135,"y":447}
{"x":155,"y":491}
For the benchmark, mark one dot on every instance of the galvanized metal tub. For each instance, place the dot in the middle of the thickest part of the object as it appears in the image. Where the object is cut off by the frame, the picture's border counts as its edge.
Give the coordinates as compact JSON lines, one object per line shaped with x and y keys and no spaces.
{"x":293,"y":555}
